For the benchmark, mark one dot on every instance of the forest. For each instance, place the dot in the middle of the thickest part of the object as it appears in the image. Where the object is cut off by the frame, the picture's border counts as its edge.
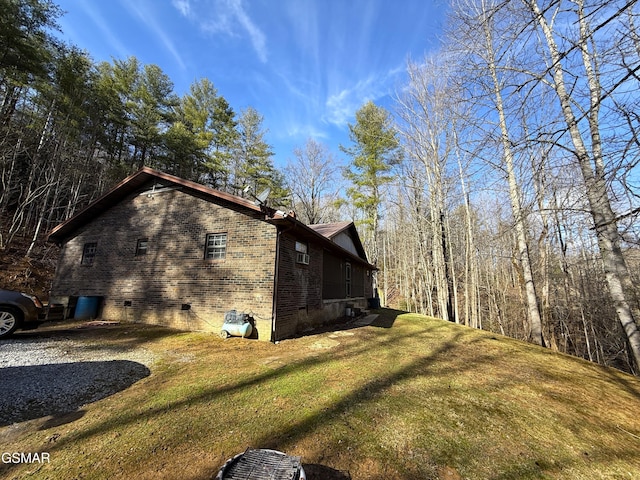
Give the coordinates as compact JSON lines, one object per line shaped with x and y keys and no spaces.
{"x":500,"y":191}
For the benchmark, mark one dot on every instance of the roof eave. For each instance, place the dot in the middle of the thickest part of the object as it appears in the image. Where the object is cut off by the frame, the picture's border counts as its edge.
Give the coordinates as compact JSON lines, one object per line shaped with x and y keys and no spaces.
{"x":65,"y":230}
{"x":310,"y":233}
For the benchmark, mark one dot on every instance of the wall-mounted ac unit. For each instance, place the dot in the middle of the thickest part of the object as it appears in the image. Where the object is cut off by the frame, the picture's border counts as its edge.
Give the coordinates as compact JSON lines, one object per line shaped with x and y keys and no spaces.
{"x":302,"y":258}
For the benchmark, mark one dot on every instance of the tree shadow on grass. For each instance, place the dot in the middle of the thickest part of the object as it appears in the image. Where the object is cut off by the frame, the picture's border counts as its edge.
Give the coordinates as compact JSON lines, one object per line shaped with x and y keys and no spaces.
{"x":420,"y":364}
{"x":384,"y":318}
{"x":129,"y":335}
{"x":443,"y":347}
{"x":315,"y":471}
{"x":36,"y":391}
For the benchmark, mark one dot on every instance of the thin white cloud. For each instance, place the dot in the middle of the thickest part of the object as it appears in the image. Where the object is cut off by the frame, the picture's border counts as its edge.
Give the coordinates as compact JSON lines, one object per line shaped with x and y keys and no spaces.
{"x":106,"y":32}
{"x":342,"y":105}
{"x":146,"y":16}
{"x":227,"y":17}
{"x":303,"y":26}
{"x":183,"y":6}
{"x":296,"y":130}
{"x":257,"y":37}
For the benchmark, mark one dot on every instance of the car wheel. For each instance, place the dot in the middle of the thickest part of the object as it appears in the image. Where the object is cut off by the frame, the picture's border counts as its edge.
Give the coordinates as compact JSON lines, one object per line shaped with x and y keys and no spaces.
{"x":224,"y":334}
{"x":9,"y":321}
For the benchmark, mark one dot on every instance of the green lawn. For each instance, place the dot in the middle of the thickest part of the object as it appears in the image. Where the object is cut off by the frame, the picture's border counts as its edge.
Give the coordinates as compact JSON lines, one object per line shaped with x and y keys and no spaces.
{"x":408,"y":397}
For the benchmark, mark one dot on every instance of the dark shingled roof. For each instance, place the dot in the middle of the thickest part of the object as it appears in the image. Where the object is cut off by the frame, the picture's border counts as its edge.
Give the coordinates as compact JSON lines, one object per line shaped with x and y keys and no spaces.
{"x":135,"y":182}
{"x":330,"y":230}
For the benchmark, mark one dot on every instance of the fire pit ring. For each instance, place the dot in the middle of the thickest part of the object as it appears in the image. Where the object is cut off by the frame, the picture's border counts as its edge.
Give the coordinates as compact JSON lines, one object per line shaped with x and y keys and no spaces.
{"x":262,"y":464}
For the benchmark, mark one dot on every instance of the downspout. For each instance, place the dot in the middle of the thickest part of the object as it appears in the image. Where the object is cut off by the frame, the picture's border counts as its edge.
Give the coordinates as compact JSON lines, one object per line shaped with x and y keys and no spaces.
{"x":275,"y":288}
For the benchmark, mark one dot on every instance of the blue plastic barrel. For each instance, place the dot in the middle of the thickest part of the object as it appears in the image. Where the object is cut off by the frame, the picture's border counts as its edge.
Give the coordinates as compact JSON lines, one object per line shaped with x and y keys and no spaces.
{"x":87,"y":308}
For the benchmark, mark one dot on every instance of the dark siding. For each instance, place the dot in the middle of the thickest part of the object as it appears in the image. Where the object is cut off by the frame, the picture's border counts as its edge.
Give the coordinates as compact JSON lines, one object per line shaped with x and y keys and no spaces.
{"x":357,"y":281}
{"x":334,"y":285}
{"x":299,"y":287}
{"x":333,"y":280}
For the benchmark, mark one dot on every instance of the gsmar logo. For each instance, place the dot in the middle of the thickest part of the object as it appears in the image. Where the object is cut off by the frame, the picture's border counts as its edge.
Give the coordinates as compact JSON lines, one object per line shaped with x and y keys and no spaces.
{"x":22,"y":457}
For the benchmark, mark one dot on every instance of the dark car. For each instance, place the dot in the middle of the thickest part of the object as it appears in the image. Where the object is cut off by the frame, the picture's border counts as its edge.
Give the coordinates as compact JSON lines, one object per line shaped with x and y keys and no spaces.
{"x":18,"y":311}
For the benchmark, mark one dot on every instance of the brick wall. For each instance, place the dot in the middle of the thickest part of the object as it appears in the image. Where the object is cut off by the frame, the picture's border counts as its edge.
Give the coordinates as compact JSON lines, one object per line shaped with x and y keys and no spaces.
{"x":300,"y":303}
{"x":173,"y":272}
{"x":299,"y":288}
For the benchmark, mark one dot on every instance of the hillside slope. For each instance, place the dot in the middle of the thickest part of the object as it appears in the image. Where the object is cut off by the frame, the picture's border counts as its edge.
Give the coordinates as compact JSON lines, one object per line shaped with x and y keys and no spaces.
{"x":407,"y":397}
{"x":32,"y":275}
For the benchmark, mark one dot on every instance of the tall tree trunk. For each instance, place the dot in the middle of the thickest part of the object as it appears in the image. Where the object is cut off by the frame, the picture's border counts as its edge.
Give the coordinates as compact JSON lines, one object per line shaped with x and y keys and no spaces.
{"x":522,"y":241}
{"x":593,"y":175}
{"x":448,"y":270}
{"x":6,"y":178}
{"x":470,"y":264}
{"x":539,"y":185}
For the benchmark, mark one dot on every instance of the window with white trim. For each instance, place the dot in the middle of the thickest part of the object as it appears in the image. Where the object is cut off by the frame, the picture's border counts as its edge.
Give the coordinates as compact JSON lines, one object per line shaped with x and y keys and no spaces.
{"x":215,"y":246}
{"x":302,"y":253}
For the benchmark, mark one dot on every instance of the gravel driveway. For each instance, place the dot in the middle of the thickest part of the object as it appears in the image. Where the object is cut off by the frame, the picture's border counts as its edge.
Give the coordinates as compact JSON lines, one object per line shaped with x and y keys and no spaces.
{"x":53,"y":372}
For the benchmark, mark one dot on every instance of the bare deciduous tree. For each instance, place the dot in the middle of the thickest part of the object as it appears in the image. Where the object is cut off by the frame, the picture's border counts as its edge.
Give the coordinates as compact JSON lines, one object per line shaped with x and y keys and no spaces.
{"x":428,"y":127}
{"x":476,"y":37}
{"x":311,"y":177}
{"x":583,"y":125}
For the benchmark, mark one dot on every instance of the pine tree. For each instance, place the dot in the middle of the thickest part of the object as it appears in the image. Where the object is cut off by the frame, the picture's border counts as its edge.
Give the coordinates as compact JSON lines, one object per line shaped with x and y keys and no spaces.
{"x":374,"y":152}
{"x":213,"y":124}
{"x":253,"y":164}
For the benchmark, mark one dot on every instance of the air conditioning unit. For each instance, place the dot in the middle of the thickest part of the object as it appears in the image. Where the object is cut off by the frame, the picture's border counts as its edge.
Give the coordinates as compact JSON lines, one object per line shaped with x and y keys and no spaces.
{"x":302,"y":258}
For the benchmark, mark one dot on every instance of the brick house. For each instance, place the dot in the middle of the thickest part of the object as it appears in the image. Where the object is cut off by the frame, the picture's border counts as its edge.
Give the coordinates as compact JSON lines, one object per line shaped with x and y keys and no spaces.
{"x":163,"y":250}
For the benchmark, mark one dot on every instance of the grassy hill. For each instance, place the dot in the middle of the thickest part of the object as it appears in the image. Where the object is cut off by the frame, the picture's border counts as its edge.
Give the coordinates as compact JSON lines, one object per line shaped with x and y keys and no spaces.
{"x":408,"y":397}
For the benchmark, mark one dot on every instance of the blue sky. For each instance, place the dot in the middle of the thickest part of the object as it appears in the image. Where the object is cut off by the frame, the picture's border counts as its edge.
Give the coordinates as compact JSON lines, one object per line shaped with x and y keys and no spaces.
{"x":305,"y":65}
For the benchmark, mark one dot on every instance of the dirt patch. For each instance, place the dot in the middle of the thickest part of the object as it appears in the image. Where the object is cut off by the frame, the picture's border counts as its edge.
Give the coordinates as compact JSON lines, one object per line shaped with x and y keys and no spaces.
{"x":96,"y":323}
{"x":448,"y":473}
{"x":32,"y":275}
{"x":342,"y":333}
{"x":315,"y":471}
{"x":324,"y":344}
{"x":274,"y":362}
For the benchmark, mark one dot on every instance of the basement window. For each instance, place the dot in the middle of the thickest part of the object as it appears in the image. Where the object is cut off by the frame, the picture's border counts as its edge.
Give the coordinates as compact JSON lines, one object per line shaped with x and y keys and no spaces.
{"x":89,"y":253}
{"x":215,"y":246}
{"x":302,"y":253}
{"x":141,"y":246}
